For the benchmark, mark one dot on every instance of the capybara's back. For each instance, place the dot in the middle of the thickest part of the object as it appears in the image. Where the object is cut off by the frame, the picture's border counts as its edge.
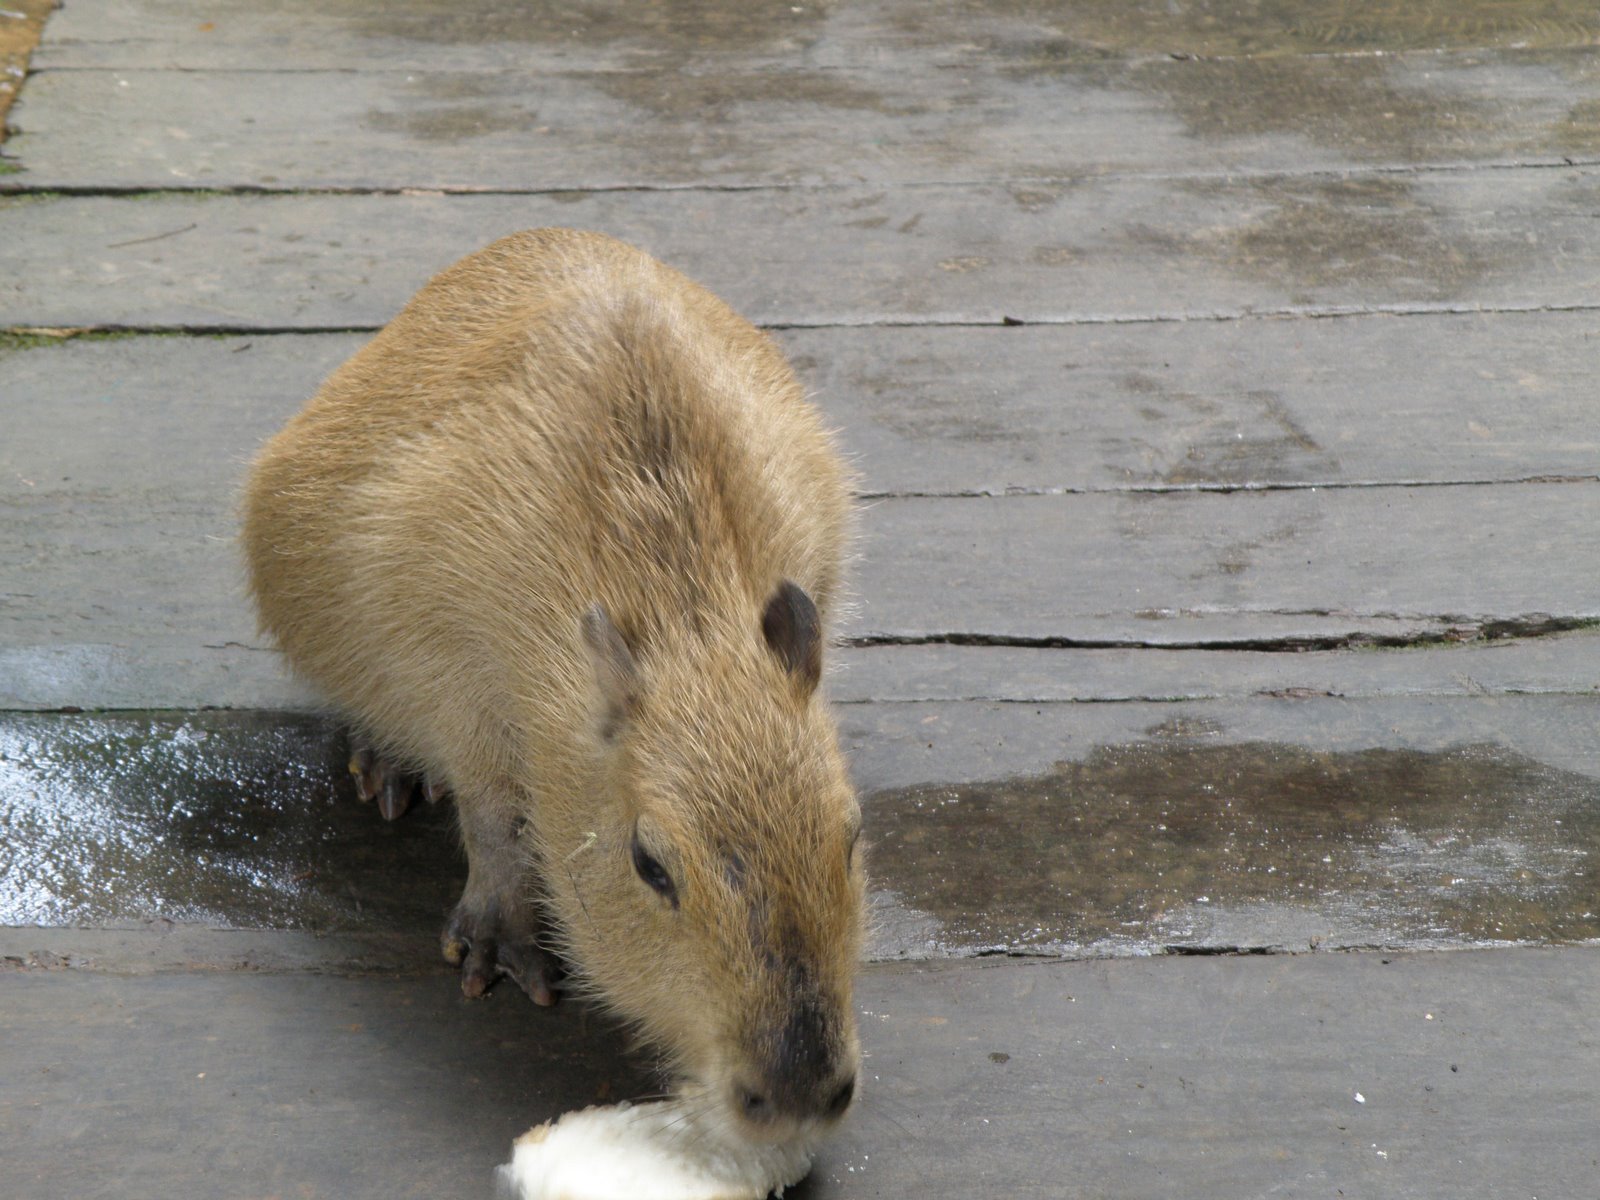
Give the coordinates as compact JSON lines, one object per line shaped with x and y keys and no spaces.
{"x":564,"y":536}
{"x":555,"y":421}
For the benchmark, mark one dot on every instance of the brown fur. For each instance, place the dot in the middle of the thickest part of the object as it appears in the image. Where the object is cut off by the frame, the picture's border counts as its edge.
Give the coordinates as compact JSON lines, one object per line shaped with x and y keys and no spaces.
{"x":556,"y":422}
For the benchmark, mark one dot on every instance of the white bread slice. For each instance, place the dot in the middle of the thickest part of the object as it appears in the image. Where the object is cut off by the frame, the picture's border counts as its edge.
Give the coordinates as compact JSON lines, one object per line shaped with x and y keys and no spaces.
{"x":658,"y":1151}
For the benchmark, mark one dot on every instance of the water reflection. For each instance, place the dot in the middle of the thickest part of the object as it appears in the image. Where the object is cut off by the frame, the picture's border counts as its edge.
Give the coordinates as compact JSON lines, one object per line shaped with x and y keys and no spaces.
{"x":237,"y":820}
{"x":1139,"y":842}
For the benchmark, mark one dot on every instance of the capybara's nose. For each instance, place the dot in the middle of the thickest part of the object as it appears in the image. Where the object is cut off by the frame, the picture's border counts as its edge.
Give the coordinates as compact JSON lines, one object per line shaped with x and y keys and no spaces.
{"x":777,"y":1102}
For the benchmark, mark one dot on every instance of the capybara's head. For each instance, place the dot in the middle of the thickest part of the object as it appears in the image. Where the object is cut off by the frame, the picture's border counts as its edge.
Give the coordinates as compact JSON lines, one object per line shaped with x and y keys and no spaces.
{"x":719,"y":900}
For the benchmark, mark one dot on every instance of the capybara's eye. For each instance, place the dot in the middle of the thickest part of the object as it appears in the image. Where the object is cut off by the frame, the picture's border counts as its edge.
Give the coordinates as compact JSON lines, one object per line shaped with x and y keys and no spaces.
{"x":652,"y":872}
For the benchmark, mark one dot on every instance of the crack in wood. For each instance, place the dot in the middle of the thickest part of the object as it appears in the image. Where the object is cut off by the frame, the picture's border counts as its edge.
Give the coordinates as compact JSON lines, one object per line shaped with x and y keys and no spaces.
{"x":931,"y":322}
{"x":1206,"y":950}
{"x":1448,"y":630}
{"x":20,"y":187}
{"x":1221,"y":489}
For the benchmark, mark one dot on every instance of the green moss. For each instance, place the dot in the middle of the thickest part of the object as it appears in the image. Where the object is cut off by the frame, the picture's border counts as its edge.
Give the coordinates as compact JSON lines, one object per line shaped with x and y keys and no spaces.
{"x":13,"y":340}
{"x":18,"y":198}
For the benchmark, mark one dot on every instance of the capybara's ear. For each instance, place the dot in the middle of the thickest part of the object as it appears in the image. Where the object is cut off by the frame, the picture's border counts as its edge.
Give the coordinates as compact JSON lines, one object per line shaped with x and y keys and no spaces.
{"x":614,"y":670}
{"x":794,"y":633}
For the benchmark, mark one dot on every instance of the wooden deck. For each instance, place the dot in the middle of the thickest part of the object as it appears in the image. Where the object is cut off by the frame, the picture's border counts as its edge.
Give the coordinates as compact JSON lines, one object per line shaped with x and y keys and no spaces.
{"x":1188,"y":361}
{"x":1146,"y":331}
{"x":1222,"y":381}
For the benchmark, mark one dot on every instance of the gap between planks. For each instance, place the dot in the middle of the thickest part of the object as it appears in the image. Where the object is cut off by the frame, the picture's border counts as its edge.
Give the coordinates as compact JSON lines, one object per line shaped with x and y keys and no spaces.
{"x":1282,"y":312}
{"x":12,"y":186}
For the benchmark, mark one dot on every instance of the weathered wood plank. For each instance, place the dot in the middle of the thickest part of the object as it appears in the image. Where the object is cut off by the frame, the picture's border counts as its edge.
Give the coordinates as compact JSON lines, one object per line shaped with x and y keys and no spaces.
{"x":1022,"y":1080}
{"x":247,"y":1069}
{"x":972,"y":410}
{"x":117,"y":480}
{"x":499,"y":35}
{"x":891,"y":121}
{"x":92,"y":564}
{"x":1273,"y":824}
{"x":1499,"y":396}
{"x":147,"y":672}
{"x":1565,"y":664}
{"x":1052,"y":828}
{"x":897,"y":746}
{"x":1101,"y":250}
{"x":1177,"y":569}
{"x":96,"y":530}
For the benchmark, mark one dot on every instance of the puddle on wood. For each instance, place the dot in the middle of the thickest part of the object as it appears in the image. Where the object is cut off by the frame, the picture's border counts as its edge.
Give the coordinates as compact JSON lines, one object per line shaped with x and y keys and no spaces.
{"x":451,"y":125}
{"x":665,"y":28}
{"x":228,"y":819}
{"x":1352,"y":105}
{"x":1266,"y":444}
{"x":468,"y":105}
{"x":1322,"y":237}
{"x":1236,"y":27}
{"x":242,"y":820}
{"x":1324,"y":72}
{"x":1177,"y":842}
{"x":715,"y":99}
{"x":650,"y":26}
{"x":455,"y":107}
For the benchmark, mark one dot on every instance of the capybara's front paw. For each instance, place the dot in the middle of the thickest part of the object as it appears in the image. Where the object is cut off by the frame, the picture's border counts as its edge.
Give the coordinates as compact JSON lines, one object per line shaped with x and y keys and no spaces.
{"x":486,"y":944}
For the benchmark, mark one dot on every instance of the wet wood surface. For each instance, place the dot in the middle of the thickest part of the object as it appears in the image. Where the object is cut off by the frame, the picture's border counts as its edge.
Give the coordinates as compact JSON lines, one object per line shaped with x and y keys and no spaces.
{"x":1308,"y":312}
{"x":891,"y":120}
{"x":1096,"y":251}
{"x":1267,"y":820}
{"x":481,"y":31}
{"x":1240,"y":598}
{"x":950,"y":412}
{"x":491,"y":34}
{"x":1292,"y":569}
{"x":540,"y":96}
{"x":1147,"y":482}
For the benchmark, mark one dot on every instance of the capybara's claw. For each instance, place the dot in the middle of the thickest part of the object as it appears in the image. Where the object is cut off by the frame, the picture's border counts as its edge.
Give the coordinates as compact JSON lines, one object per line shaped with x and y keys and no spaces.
{"x":536,"y":971}
{"x":363,"y":767}
{"x":480,"y":968}
{"x":378,"y":779}
{"x":395,"y":795}
{"x":486,"y":947}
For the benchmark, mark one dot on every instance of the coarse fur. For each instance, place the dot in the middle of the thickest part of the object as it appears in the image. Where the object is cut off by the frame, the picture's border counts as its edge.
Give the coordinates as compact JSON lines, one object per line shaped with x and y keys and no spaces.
{"x":535,"y":539}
